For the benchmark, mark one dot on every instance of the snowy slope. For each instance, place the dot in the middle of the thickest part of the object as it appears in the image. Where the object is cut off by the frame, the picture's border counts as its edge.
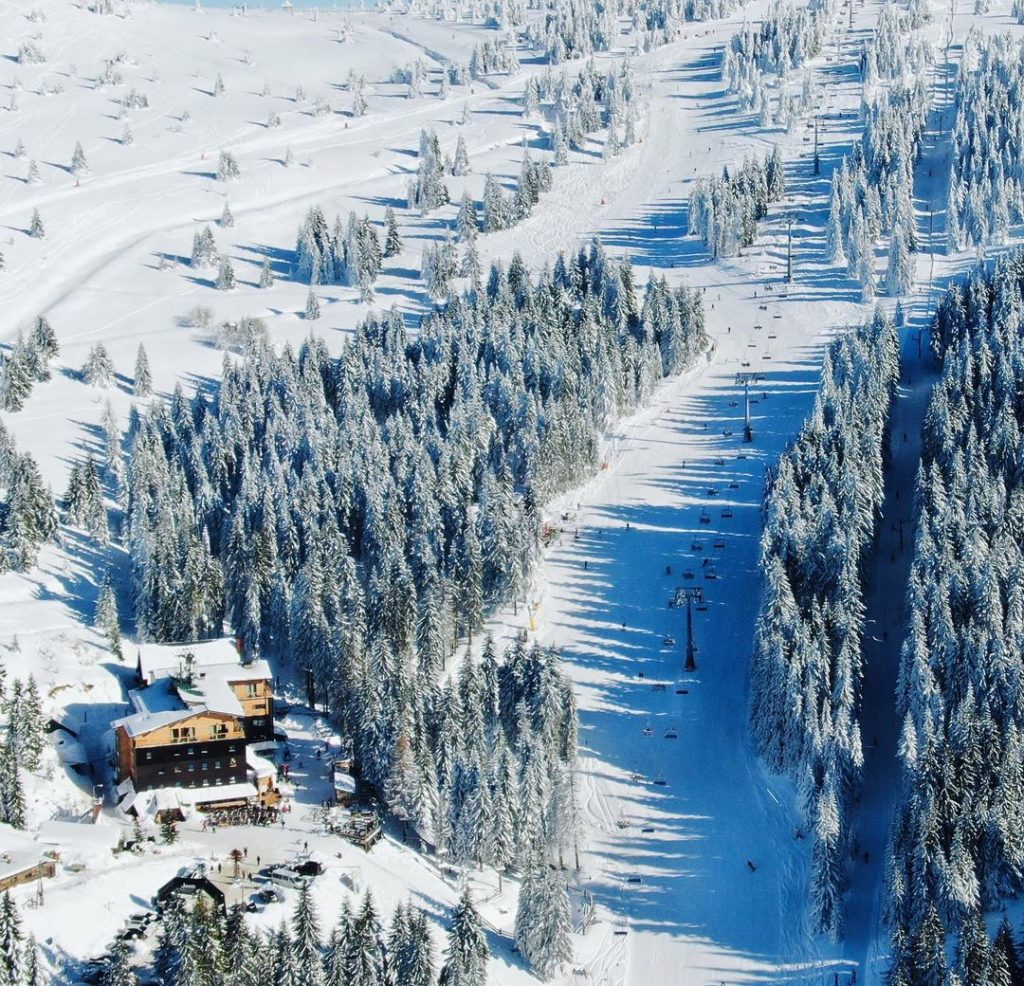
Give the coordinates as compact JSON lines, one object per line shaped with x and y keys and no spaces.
{"x":700,"y":914}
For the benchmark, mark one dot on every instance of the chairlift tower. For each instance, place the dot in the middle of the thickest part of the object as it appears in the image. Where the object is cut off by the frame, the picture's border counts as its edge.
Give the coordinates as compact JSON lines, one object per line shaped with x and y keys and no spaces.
{"x":691,"y":594}
{"x":744,"y":380}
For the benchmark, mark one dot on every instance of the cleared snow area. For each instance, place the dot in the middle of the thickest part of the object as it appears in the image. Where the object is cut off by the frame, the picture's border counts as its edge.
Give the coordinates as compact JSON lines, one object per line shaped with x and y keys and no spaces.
{"x":721,"y":871}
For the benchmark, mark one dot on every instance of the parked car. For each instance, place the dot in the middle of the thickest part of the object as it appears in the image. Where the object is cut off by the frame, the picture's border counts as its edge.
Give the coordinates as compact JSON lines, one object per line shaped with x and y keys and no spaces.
{"x":289,"y":878}
{"x":309,"y":867}
{"x":268,"y":895}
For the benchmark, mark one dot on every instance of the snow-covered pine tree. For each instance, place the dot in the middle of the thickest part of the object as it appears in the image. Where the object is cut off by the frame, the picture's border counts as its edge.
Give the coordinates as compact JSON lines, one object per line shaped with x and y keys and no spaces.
{"x":225,"y":275}
{"x":79,"y":165}
{"x":467,"y":953}
{"x":98,"y":370}
{"x":392,"y":241}
{"x":35,"y":227}
{"x":312,"y":312}
{"x":142,"y":381}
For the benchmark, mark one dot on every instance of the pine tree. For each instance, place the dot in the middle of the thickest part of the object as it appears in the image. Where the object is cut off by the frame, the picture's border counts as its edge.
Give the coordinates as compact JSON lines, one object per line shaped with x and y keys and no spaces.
{"x":312,"y":312}
{"x":107,"y":618}
{"x":218,"y":86}
{"x":169,"y":832}
{"x":127,"y":137}
{"x":98,"y":370}
{"x":226,"y":218}
{"x":306,"y":940}
{"x":33,"y":177}
{"x":12,"y":796}
{"x":392,"y":241}
{"x":35,"y":227}
{"x":31,"y":974}
{"x":543,"y":918}
{"x":227,"y":167}
{"x":226,"y":275}
{"x":266,"y":274}
{"x":142,"y":383}
{"x":79,"y":166}
{"x":29,"y":727}
{"x":117,"y":970}
{"x":12,"y":939}
{"x":467,"y":954}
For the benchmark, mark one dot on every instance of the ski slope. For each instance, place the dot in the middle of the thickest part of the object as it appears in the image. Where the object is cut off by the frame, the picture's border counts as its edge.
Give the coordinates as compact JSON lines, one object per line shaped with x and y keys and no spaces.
{"x":667,"y":863}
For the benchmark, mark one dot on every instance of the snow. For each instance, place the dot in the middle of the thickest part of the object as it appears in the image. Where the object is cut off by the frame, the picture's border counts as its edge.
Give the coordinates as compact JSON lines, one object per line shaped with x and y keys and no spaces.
{"x":667,"y":863}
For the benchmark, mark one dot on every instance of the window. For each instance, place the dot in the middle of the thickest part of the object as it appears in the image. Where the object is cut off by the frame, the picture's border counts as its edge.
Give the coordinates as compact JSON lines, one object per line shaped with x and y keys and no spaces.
{"x":191,"y":768}
{"x":205,"y":765}
{"x":217,"y":765}
{"x":253,"y":689}
{"x":191,"y":751}
{"x":259,"y":722}
{"x":220,"y":731}
{"x":177,"y":769}
{"x":149,"y":755}
{"x":232,"y":762}
{"x":183,"y":734}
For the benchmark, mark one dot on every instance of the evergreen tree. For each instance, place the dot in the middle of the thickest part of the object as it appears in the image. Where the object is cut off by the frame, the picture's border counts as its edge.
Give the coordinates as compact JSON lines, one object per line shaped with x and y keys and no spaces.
{"x":225,"y":275}
{"x":312,"y":306}
{"x":12,"y":941}
{"x":35,"y":227}
{"x":98,"y":370}
{"x":266,"y":274}
{"x":142,"y":382}
{"x":392,"y":241}
{"x":467,"y":954}
{"x":79,"y":166}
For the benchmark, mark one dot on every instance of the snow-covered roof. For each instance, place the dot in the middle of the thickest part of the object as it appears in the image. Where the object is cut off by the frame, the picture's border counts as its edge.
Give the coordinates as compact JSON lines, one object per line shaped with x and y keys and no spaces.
{"x":261,"y":766}
{"x":78,"y":835}
{"x":170,"y":699}
{"x":69,"y":750}
{"x":160,"y":660}
{"x":344,"y":782}
{"x":18,"y":851}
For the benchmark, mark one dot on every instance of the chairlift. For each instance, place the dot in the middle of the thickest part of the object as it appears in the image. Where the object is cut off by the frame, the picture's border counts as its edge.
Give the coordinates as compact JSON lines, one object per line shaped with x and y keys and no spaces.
{"x":773,"y":335}
{"x":647,"y":829}
{"x":647,"y":731}
{"x":621,"y":927}
{"x":711,"y":491}
{"x":668,"y":641}
{"x":710,"y":573}
{"x":622,"y":821}
{"x":719,"y":461}
{"x":634,"y":878}
{"x":727,"y":513}
{"x":741,"y":455}
{"x":758,"y":325}
{"x":670,"y":733}
{"x":746,"y":362}
{"x":727,"y":432}
{"x":719,"y":543}
{"x":680,"y":690}
{"x":734,"y":485}
{"x":635,"y":776}
{"x":766,"y":356}
{"x":705,"y":517}
{"x":658,"y":686}
{"x":702,"y":605}
{"x":660,"y":781}
{"x":696,"y":546}
{"x":734,"y":404}
{"x":751,"y":345}
{"x":688,"y":574}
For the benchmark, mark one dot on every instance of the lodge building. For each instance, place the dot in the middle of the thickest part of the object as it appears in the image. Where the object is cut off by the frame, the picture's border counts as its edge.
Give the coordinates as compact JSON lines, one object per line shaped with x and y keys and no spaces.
{"x":201,"y":715}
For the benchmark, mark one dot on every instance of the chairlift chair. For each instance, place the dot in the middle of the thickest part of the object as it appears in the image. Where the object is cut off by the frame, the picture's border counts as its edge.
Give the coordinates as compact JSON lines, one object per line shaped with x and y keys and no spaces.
{"x":710,"y":573}
{"x":688,"y":574}
{"x":668,"y":641}
{"x":719,"y":543}
{"x":705,"y":517}
{"x":660,"y":781}
{"x":647,"y":731}
{"x":671,"y":733}
{"x":727,"y":513}
{"x":680,"y":690}
{"x":696,"y":546}
{"x":702,"y":605}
